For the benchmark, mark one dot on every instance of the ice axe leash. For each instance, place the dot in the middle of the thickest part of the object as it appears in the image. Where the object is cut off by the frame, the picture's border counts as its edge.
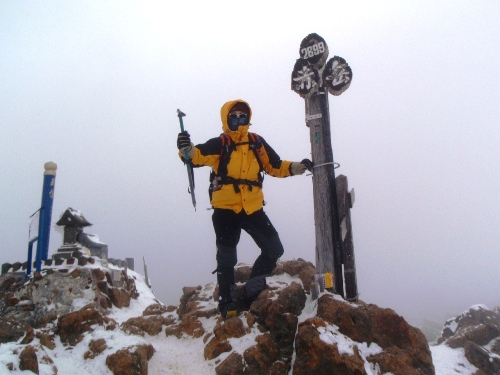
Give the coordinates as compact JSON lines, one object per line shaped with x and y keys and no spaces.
{"x":181,"y":114}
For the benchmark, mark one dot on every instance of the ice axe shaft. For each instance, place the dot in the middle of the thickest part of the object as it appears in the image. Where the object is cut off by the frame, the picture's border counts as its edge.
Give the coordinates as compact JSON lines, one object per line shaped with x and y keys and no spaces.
{"x":181,"y":114}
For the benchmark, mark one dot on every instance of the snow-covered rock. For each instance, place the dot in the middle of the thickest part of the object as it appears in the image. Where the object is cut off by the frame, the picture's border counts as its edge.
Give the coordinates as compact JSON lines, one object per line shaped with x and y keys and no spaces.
{"x":285,"y":330}
{"x":98,"y":324}
{"x":475,"y":334}
{"x":69,"y":320}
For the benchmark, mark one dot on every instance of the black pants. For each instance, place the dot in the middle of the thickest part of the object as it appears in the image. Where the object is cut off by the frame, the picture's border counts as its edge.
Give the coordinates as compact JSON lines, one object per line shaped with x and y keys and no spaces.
{"x":228,"y":226}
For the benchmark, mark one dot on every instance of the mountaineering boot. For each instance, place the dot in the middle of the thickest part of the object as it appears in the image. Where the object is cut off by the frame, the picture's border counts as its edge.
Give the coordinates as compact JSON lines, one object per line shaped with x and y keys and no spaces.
{"x":252,"y":289}
{"x":225,"y":278}
{"x":227,"y":310}
{"x":262,"y":267}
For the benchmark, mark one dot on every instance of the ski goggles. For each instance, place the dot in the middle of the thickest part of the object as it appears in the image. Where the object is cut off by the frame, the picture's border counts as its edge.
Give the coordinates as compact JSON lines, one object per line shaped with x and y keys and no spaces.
{"x":237,"y":119}
{"x":238,"y":115}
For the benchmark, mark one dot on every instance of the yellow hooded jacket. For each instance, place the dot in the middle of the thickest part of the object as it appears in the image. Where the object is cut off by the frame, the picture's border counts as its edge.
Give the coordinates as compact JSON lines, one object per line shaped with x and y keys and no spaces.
{"x":242,"y":165}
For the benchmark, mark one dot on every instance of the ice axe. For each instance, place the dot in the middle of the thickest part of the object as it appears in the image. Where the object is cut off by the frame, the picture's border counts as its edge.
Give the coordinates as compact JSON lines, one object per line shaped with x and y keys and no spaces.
{"x":181,"y":114}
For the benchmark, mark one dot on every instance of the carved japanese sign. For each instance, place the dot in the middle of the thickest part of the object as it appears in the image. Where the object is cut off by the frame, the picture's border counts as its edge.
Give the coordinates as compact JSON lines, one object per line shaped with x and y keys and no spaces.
{"x":305,"y":78}
{"x":310,"y":72}
{"x":337,"y":76}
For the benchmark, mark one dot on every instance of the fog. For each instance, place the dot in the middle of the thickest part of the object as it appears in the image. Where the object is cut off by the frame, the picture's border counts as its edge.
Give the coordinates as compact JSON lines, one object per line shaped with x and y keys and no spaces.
{"x":94,"y":87}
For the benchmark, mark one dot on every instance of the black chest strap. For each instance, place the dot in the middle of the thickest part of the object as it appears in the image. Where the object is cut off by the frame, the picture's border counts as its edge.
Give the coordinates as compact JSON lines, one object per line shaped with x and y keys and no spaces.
{"x":228,"y":146}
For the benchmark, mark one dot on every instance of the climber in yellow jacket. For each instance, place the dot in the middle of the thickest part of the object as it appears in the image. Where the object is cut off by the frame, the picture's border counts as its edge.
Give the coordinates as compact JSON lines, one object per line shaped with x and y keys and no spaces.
{"x":239,"y":159}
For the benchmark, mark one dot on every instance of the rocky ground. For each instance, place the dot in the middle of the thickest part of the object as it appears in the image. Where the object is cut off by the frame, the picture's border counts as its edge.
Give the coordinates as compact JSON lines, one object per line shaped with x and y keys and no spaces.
{"x":60,"y":312}
{"x":477,"y":332}
{"x":289,"y":331}
{"x":85,"y":318}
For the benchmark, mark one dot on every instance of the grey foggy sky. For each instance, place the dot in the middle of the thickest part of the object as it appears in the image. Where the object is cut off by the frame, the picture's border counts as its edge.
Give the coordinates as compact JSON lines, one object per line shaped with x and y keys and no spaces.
{"x":94,"y":86}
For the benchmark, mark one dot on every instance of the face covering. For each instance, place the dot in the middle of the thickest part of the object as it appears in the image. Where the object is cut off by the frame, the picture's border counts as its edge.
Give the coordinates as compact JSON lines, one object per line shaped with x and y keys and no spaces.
{"x":237,"y":119}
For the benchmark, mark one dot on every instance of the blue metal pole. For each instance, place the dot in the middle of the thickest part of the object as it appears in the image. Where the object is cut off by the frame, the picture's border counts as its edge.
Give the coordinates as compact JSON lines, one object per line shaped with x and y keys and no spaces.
{"x":49,"y":181}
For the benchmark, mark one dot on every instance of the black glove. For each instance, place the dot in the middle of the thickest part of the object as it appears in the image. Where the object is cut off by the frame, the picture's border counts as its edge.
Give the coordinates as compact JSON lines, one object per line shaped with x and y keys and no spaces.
{"x":309,"y":164}
{"x":183,"y":140}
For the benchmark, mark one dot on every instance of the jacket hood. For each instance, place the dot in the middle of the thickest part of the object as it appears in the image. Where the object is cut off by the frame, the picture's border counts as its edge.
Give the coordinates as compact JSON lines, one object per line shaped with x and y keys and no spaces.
{"x":224,"y":112}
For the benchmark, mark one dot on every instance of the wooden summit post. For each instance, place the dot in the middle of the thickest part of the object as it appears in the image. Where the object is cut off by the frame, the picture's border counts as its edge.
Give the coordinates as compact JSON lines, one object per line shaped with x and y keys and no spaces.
{"x":345,"y":201}
{"x":312,"y":80}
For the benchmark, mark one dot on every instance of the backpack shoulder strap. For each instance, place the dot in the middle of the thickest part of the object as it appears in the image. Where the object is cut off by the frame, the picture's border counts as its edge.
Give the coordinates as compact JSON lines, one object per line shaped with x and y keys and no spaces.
{"x":253,"y":137}
{"x":226,"y":141}
{"x":255,"y":145}
{"x":225,"y":154}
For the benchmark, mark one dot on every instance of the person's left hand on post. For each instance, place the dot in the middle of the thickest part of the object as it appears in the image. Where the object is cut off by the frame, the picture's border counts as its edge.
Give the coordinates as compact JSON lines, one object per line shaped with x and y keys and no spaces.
{"x":297,"y":168}
{"x":184,"y":143}
{"x":309,"y":164}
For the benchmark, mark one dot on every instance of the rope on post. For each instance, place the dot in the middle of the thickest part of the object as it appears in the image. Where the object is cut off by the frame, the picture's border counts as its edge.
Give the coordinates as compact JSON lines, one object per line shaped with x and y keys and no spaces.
{"x":335,"y":166}
{"x":331,"y":162}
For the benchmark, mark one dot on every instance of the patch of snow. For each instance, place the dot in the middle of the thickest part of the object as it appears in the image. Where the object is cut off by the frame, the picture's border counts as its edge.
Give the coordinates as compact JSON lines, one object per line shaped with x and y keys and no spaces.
{"x":479,"y":307}
{"x":7,"y":356}
{"x":74,"y":212}
{"x":95,"y":238}
{"x":78,"y":303}
{"x":241,"y":344}
{"x":331,"y":335}
{"x":72,"y":362}
{"x":310,"y":309}
{"x":280,"y":280}
{"x":448,"y":361}
{"x":452,"y":325}
{"x":489,"y":346}
{"x":179,"y":356}
{"x":137,"y":306}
